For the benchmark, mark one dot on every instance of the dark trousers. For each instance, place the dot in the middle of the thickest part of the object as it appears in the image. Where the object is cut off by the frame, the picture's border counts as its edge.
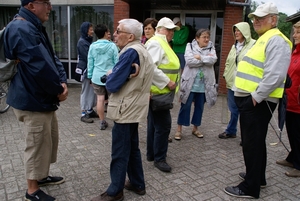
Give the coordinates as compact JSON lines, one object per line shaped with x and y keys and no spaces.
{"x":158,"y":131}
{"x":292,"y":123}
{"x":125,"y":157}
{"x":254,"y":121}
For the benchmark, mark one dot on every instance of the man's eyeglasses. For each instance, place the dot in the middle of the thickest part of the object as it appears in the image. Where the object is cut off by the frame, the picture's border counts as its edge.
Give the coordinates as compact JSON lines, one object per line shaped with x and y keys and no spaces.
{"x":260,"y":19}
{"x":119,"y":31}
{"x":46,"y":3}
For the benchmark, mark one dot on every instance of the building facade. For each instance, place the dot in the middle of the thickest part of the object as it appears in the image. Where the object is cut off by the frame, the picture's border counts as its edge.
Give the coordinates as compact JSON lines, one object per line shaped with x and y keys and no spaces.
{"x":67,"y":15}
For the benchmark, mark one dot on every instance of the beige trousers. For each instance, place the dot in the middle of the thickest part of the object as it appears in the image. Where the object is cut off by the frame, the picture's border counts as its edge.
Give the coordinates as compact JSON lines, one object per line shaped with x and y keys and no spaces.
{"x":41,"y":142}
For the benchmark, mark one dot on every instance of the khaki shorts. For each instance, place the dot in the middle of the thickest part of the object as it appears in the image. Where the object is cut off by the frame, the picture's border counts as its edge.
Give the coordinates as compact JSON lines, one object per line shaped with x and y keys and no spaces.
{"x":99,"y":90}
{"x":41,"y":142}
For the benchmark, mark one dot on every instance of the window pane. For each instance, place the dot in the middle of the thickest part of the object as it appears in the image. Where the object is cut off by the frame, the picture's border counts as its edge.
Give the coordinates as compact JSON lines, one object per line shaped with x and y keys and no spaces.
{"x":95,"y":15}
{"x":6,"y":15}
{"x":57,"y":29}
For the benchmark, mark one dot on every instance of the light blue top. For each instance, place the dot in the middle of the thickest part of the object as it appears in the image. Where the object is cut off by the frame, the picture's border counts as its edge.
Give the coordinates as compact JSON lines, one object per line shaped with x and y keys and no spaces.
{"x":102,"y":56}
{"x":198,"y":85}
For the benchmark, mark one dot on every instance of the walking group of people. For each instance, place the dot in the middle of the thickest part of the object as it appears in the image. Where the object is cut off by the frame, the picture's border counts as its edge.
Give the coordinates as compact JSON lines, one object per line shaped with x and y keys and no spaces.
{"x":136,"y":77}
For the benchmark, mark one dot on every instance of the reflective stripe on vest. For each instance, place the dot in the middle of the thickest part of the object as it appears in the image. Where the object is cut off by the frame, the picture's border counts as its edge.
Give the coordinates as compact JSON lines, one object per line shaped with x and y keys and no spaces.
{"x":251,"y":69}
{"x":171,"y":69}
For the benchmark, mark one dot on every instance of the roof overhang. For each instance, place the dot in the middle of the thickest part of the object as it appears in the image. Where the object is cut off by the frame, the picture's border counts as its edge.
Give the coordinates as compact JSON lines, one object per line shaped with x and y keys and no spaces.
{"x":179,"y":4}
{"x":293,"y":18}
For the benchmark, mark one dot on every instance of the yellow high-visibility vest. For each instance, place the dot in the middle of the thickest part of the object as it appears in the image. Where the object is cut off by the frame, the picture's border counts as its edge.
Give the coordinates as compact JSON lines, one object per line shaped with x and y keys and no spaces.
{"x":171,"y":69}
{"x":251,"y":69}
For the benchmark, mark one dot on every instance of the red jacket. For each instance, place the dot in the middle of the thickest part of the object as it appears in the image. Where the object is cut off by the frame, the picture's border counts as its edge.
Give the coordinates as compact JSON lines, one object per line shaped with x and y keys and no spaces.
{"x":293,"y":98}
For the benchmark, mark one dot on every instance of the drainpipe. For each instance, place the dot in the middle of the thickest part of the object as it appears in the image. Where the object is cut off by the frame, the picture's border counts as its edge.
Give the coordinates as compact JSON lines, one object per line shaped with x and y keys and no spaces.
{"x":247,"y":4}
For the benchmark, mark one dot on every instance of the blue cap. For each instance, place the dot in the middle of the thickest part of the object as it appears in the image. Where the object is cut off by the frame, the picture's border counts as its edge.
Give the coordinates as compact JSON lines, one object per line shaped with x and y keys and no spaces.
{"x":25,"y":2}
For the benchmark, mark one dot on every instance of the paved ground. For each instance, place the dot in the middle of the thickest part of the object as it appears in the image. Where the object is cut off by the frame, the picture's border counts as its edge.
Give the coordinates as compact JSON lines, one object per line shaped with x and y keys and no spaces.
{"x":201,"y":167}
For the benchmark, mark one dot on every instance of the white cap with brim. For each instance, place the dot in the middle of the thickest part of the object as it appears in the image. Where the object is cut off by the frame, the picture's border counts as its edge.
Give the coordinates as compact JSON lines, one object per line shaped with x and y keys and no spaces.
{"x":176,"y":20}
{"x":264,"y":9}
{"x":167,"y":23}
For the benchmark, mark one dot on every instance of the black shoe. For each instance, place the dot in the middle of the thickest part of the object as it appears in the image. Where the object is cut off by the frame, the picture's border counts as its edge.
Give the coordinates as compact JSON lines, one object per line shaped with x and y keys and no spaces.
{"x":86,"y":119}
{"x":39,"y":195}
{"x":236,"y":192}
{"x":241,"y":144}
{"x":51,"y":181}
{"x":225,"y":135}
{"x":242,"y":176}
{"x":162,"y":166}
{"x":129,"y":187}
{"x":93,"y":114}
{"x":150,"y":158}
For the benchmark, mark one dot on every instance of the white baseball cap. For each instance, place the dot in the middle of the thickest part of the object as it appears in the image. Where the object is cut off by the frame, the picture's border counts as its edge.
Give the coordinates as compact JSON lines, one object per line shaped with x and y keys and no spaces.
{"x":176,"y":20}
{"x":167,"y":23}
{"x":264,"y":9}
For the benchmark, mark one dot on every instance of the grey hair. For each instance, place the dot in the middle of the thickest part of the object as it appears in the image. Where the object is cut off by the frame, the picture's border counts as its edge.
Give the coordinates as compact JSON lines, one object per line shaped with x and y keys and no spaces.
{"x":132,"y":26}
{"x":277,"y":20}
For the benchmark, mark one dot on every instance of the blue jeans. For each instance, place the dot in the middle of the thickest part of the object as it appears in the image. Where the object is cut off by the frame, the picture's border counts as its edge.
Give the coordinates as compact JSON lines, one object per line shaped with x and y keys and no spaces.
{"x":181,"y":60}
{"x":125,"y":157}
{"x":234,"y":113}
{"x":158,"y":131}
{"x":185,"y":110}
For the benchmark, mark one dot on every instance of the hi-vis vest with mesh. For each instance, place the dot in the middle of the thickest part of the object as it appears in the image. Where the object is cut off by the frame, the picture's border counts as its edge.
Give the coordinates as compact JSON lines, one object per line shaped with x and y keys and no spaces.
{"x":251,"y":69}
{"x":171,"y":69}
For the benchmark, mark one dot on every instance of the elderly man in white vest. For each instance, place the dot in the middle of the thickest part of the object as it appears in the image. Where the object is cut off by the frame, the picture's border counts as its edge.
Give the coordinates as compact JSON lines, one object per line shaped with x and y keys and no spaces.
{"x":165,"y":76}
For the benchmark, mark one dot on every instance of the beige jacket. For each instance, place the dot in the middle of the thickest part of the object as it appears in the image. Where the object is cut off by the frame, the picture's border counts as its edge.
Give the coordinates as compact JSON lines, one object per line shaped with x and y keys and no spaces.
{"x":130,"y":104}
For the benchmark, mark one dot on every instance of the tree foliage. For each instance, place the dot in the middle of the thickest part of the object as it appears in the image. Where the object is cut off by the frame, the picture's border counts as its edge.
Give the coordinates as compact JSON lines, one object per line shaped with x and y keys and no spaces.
{"x":283,"y":26}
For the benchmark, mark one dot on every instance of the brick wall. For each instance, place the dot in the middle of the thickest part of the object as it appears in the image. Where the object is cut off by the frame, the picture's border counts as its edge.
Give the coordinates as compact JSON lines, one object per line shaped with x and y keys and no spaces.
{"x":232,"y":15}
{"x":121,"y":11}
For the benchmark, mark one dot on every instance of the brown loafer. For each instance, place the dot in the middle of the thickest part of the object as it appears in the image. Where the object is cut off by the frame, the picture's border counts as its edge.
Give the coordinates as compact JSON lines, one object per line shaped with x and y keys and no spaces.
{"x":225,"y":135}
{"x":284,"y":163}
{"x":129,"y":187}
{"x":106,"y":197}
{"x":293,"y":173}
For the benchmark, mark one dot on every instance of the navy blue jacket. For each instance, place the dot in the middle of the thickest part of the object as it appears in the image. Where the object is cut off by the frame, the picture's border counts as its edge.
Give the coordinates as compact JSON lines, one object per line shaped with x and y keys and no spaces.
{"x":122,"y":70}
{"x":83,"y":45}
{"x":40,"y":73}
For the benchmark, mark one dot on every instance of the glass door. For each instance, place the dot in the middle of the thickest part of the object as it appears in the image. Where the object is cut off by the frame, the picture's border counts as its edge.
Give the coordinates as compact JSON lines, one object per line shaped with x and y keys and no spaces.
{"x":212,"y":21}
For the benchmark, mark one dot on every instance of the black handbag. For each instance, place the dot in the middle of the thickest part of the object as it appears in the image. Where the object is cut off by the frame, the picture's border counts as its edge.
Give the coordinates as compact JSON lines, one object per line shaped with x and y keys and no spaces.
{"x":78,"y":76}
{"x":162,"y":101}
